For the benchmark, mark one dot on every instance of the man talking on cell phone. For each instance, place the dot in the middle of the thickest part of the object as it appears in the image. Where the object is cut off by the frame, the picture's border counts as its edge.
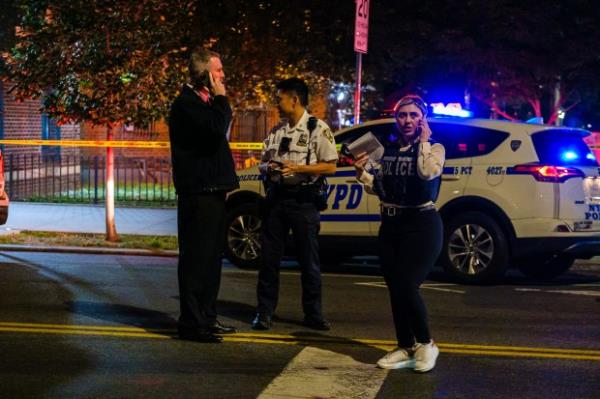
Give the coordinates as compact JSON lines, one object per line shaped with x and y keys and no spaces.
{"x":203,"y":173}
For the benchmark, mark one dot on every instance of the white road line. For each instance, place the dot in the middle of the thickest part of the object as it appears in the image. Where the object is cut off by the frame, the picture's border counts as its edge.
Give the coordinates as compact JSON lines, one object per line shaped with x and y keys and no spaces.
{"x":573,"y":292}
{"x":318,"y":373}
{"x":570,"y":292}
{"x":433,"y":286}
{"x":378,"y":284}
{"x":427,"y":287}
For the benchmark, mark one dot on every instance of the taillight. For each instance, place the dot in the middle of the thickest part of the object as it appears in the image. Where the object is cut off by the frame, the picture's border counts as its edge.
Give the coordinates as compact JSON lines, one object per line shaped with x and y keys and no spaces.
{"x":547,"y":173}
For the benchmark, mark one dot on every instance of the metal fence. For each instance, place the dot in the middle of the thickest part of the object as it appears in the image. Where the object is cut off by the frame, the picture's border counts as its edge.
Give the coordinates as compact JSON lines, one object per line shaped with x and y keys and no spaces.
{"x":80,"y":179}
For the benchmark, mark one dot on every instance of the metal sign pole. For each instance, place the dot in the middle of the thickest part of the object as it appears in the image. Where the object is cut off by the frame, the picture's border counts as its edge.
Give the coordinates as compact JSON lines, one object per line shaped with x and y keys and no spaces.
{"x":361,"y":36}
{"x":357,"y":89}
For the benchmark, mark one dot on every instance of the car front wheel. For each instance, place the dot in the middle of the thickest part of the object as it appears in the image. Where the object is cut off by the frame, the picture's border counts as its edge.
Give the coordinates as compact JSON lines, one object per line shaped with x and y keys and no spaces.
{"x":475,"y":248}
{"x":243,"y":236}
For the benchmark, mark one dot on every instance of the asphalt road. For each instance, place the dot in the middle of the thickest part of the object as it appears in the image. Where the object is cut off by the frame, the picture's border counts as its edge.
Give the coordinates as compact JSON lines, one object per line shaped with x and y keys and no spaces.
{"x":99,"y":326}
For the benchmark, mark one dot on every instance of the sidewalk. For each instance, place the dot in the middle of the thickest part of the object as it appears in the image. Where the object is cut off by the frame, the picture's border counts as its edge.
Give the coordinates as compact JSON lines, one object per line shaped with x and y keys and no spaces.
{"x":72,"y":218}
{"x":89,"y":219}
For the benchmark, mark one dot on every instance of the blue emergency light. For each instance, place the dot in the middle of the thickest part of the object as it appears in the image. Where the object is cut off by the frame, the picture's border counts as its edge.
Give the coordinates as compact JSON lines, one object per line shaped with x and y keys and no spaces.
{"x":450,"y":109}
{"x":569,"y":156}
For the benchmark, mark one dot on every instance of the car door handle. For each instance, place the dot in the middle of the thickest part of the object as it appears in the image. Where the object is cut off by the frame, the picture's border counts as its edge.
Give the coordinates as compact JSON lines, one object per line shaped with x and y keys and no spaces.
{"x":451,"y":177}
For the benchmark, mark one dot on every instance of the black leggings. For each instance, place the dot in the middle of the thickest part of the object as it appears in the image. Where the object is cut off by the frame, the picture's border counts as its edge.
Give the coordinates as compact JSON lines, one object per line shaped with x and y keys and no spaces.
{"x":409,"y":245}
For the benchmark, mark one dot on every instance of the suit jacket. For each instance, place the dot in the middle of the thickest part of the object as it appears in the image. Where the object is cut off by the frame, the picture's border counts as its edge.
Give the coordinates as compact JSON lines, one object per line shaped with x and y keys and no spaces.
{"x":202,"y":160}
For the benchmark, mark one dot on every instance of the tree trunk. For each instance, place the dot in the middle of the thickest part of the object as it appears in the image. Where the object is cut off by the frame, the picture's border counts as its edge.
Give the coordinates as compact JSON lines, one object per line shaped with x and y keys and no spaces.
{"x":111,"y":229}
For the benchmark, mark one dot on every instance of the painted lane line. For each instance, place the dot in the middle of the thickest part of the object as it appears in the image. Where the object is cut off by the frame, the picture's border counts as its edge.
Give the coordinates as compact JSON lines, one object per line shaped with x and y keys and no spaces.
{"x":80,"y":327}
{"x":319,"y":373}
{"x":573,"y":292}
{"x":286,"y":339}
{"x":427,"y":287}
{"x":570,"y":292}
{"x":378,"y":284}
{"x":522,"y":354}
{"x":434,"y":287}
{"x":83,"y":332}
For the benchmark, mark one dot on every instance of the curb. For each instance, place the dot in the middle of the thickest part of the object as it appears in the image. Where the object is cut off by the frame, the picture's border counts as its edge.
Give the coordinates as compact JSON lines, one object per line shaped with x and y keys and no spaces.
{"x":88,"y":250}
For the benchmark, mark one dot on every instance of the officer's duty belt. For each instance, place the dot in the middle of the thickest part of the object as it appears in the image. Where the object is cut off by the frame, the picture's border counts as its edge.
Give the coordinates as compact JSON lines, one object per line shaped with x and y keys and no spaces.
{"x":294,"y":191}
{"x":394,"y":211}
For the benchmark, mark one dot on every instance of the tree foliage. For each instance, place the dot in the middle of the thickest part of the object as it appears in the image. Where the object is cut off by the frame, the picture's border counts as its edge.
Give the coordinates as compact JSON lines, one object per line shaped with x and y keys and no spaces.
{"x":107,"y":62}
{"x":509,"y":54}
{"x":262,"y":42}
{"x":8,"y":20}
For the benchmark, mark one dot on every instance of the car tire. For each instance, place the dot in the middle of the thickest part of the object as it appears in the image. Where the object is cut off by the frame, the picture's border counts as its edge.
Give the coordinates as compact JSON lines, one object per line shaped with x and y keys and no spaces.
{"x":475,"y":249}
{"x":242,"y":245}
{"x":546,"y":268}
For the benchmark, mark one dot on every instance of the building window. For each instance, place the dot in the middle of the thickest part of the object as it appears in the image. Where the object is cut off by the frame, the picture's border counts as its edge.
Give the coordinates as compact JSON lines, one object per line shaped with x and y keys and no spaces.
{"x":50,"y":131}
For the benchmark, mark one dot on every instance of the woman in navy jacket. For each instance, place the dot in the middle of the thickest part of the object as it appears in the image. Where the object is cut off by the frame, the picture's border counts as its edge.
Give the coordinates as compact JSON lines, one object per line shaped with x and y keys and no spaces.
{"x":407,"y":181}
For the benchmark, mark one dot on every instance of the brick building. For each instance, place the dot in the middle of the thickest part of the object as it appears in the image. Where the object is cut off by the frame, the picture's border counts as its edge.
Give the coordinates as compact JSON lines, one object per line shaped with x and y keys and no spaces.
{"x":33,"y":168}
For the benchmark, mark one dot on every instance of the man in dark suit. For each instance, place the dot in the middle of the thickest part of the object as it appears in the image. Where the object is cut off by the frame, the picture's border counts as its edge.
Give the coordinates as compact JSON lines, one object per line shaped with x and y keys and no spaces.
{"x":203,"y":173}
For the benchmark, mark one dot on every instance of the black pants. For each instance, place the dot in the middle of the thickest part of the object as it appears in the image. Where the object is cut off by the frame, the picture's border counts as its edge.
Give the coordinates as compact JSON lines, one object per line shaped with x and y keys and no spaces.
{"x":201,"y":236}
{"x":409,"y":245}
{"x":304,"y":220}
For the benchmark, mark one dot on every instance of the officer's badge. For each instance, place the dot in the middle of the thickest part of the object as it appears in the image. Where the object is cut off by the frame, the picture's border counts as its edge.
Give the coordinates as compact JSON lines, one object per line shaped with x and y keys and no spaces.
{"x":302,"y":140}
{"x":328,"y":135}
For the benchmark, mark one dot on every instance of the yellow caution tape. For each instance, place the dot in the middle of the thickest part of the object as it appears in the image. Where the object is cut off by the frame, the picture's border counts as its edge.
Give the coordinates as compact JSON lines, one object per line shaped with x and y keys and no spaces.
{"x":90,"y":143}
{"x":246,"y":146}
{"x":118,"y":144}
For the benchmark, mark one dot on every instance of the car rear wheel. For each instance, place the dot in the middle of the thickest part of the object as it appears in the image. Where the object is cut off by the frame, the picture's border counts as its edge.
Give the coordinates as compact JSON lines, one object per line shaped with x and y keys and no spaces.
{"x":546,"y":268}
{"x":475,"y":248}
{"x":243,"y":236}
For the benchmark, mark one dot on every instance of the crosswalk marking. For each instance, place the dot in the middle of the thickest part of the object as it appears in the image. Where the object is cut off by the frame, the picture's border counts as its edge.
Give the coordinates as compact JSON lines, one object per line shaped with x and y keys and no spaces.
{"x":319,"y":373}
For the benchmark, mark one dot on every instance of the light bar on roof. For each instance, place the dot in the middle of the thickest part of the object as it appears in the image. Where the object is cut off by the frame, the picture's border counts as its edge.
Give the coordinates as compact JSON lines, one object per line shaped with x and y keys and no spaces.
{"x":450,"y":109}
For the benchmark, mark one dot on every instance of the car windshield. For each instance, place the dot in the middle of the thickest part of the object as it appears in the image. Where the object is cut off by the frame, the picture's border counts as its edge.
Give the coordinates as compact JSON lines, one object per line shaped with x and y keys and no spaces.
{"x":563,"y":147}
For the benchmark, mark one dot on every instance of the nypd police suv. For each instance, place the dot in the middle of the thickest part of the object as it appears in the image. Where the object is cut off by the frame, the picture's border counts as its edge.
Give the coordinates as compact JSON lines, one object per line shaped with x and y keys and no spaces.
{"x":512,"y":194}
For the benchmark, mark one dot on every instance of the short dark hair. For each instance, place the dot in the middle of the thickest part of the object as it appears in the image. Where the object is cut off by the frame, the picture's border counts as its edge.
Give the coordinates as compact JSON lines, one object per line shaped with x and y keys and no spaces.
{"x":199,"y":59}
{"x":296,"y":86}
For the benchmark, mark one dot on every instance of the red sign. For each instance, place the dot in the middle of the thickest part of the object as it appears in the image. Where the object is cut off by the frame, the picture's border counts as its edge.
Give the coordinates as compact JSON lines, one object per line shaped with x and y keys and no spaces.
{"x":361,"y":26}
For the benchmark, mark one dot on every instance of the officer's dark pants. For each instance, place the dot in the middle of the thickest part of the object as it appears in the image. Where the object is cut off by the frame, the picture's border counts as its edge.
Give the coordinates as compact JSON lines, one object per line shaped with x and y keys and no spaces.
{"x":409,"y":245}
{"x":303,"y":219}
{"x":201,"y":236}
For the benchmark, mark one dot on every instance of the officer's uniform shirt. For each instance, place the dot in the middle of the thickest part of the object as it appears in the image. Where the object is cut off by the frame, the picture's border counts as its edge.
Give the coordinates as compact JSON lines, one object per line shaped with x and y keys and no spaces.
{"x":321,"y":141}
{"x":429,"y":166}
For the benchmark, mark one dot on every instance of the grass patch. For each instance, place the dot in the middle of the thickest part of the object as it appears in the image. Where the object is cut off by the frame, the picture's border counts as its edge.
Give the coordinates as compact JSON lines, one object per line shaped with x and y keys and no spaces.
{"x":26,"y":237}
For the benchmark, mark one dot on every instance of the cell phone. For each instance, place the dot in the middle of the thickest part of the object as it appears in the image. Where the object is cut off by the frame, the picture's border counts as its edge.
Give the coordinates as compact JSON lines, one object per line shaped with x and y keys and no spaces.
{"x":202,"y":80}
{"x":344,"y":151}
{"x":419,"y":128}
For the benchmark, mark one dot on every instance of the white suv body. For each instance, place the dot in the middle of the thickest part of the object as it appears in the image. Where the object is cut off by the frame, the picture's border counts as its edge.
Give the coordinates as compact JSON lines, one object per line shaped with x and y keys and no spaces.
{"x":512,"y":194}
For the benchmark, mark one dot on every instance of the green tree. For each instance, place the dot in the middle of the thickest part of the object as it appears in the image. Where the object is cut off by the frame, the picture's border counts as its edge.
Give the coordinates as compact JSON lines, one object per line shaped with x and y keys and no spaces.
{"x":519,"y":58}
{"x":104,"y":62}
{"x":262,"y":42}
{"x":8,"y":20}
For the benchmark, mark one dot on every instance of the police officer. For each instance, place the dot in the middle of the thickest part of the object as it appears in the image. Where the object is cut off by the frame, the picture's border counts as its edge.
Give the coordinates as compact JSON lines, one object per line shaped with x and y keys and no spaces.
{"x":293,"y":201}
{"x":407,"y":181}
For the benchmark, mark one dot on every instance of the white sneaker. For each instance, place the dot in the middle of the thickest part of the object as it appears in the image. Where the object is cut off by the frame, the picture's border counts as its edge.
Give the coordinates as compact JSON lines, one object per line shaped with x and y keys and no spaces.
{"x":399,"y":358}
{"x":425,"y":356}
